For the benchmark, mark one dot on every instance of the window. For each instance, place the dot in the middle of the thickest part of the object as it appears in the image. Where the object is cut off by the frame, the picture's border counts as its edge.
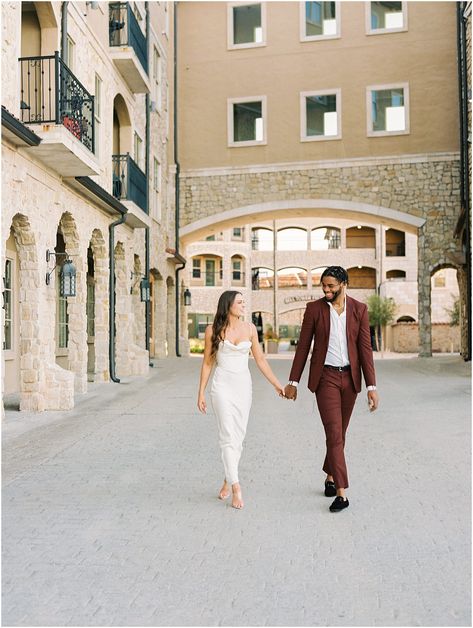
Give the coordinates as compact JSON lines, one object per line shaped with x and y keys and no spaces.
{"x":262,"y":278}
{"x":90,"y":307}
{"x":395,"y":243}
{"x":386,"y":17}
{"x":319,"y":20}
{"x":157,"y":78}
{"x":97,"y":113}
{"x":210,"y":238}
{"x":292,"y":278}
{"x":157,"y":189}
{"x":395,"y":275}
{"x":361,"y":277}
{"x":246,"y":25}
{"x":238,"y":233}
{"x":387,"y":109}
{"x":62,"y":314}
{"x":321,"y":115}
{"x":70,"y":53}
{"x":262,"y":239}
{"x":196,"y":268}
{"x":237,"y":275}
{"x":138,"y":150}
{"x":246,"y":121}
{"x":325,"y":238}
{"x":292,"y":239}
{"x":8,"y":306}
{"x":360,"y":237}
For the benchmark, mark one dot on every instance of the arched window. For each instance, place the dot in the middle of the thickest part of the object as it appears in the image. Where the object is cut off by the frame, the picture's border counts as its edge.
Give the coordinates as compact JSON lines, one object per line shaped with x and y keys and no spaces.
{"x":262,"y":278}
{"x":261,"y":239}
{"x":292,"y":239}
{"x":395,"y":243}
{"x":316,"y":274}
{"x":293,"y":278}
{"x":362,"y":277}
{"x":396,"y":274}
{"x":405,"y":319}
{"x":237,"y":270}
{"x":207,"y":270}
{"x":324,"y":238}
{"x":360,"y":237}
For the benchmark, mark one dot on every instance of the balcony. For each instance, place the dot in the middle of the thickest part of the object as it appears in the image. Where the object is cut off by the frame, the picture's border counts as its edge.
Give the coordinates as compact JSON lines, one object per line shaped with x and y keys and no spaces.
{"x":51,"y":96}
{"x":129,"y":187}
{"x":129,"y":47}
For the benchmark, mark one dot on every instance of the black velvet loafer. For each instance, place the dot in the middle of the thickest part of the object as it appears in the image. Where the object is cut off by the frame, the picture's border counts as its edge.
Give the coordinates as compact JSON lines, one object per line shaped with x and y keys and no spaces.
{"x":330,"y":490}
{"x":339,"y":504}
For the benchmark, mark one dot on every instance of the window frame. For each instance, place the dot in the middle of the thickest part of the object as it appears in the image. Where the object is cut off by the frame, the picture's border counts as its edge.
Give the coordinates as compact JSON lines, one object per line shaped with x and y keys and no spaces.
{"x":230,"y":44}
{"x":97,"y":113}
{"x":241,"y":100}
{"x":10,"y":353}
{"x":157,"y":191}
{"x":369,"y":120}
{"x":302,"y":23}
{"x":137,"y":150}
{"x":385,"y":31}
{"x":337,"y":91}
{"x":157,"y":74}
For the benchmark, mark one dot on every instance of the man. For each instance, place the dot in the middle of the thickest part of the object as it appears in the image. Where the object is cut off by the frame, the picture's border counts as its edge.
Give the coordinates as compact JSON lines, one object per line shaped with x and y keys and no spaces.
{"x":342,"y":349}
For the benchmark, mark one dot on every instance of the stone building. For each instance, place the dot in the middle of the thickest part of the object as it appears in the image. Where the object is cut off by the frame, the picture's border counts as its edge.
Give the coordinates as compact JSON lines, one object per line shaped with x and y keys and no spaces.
{"x":322,"y":111}
{"x":88,"y":177}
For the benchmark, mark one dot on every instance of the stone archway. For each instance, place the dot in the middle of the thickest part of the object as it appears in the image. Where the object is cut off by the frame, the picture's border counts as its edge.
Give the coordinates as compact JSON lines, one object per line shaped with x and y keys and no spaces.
{"x":31,"y":369}
{"x":76,"y":306}
{"x":100,"y":369}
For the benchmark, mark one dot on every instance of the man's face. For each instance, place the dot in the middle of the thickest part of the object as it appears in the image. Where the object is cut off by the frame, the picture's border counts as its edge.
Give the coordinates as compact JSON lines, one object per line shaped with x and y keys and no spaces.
{"x":332,"y":288}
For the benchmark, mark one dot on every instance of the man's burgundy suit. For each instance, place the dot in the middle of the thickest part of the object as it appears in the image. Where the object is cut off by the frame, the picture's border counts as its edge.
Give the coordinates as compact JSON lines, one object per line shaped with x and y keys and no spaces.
{"x":335,"y":391}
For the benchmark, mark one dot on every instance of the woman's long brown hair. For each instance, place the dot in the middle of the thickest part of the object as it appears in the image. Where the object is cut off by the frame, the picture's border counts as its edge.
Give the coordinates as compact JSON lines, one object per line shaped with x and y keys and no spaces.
{"x":221,"y":318}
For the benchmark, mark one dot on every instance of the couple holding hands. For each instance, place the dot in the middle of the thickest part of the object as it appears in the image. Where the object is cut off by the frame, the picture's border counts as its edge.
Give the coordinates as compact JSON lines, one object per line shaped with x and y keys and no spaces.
{"x":339,"y":327}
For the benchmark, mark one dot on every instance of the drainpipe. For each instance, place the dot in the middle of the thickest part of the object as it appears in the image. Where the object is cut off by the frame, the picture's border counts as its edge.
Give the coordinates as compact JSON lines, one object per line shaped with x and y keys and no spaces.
{"x":64,"y":31}
{"x":111,"y":313}
{"x":147,"y":101}
{"x":176,"y":185}
{"x":464,"y":156}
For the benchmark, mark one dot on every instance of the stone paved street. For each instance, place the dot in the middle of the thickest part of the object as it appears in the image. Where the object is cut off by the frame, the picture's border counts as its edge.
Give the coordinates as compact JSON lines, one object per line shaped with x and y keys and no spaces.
{"x":110,"y":516}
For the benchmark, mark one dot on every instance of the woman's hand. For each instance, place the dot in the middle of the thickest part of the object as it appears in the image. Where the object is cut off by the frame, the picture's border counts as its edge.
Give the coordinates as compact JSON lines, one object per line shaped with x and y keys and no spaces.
{"x":279,"y":389}
{"x":201,"y":404}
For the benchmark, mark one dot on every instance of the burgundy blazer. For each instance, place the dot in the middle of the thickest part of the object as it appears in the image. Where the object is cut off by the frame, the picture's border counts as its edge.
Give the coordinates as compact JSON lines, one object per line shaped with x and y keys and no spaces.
{"x":316,"y":325}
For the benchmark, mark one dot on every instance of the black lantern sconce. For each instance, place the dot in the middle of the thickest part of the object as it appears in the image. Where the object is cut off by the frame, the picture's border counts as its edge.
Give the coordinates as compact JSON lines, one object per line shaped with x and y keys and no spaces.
{"x":187,"y":297}
{"x":67,"y":278}
{"x":145,"y":288}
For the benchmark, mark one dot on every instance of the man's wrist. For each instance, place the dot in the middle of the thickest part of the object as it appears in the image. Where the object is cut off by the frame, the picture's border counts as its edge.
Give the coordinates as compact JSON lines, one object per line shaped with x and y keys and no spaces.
{"x":293,"y":383}
{"x":368,"y":388}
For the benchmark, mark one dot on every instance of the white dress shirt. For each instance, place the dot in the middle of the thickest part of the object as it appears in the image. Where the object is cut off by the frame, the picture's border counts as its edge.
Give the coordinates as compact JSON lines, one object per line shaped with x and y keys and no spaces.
{"x":337,"y":352}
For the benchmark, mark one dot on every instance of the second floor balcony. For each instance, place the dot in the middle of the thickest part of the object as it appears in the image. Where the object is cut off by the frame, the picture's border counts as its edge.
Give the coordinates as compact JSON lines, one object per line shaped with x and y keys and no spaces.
{"x":53,"y":97}
{"x":129,"y":181}
{"x":129,"y":48}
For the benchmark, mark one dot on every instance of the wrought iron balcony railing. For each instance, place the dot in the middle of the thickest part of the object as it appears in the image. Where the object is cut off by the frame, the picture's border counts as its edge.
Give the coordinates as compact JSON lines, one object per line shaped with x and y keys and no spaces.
{"x":51,"y":93}
{"x":124,"y":30}
{"x":129,"y":181}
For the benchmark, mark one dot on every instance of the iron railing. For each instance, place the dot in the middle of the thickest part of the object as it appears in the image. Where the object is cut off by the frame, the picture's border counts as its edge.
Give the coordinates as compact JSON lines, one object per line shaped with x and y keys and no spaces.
{"x":129,"y":181}
{"x":50,"y":92}
{"x":124,"y":30}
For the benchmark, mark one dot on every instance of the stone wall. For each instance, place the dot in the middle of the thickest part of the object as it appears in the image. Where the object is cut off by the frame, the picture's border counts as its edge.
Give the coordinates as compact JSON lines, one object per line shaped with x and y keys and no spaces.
{"x":405,"y":338}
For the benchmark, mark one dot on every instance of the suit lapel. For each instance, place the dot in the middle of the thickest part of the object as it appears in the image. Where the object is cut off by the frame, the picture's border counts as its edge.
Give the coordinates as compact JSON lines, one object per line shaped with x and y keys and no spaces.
{"x":326,"y":319}
{"x":349,"y":319}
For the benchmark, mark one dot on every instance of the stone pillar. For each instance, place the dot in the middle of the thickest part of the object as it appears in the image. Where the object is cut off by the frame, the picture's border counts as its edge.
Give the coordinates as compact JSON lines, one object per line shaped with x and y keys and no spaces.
{"x":464,"y":314}
{"x":102,"y":303}
{"x":160,"y":317}
{"x":424,"y":297}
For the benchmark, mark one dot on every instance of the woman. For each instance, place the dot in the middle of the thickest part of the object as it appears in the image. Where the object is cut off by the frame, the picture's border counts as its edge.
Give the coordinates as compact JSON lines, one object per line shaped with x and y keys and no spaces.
{"x":227,"y":343}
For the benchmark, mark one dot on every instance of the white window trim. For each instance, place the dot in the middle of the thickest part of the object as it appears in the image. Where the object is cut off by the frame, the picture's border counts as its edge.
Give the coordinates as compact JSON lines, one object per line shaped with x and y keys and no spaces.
{"x":384,"y":31}
{"x":304,"y":37}
{"x":236,"y":101}
{"x":303,"y":115}
{"x":369,"y":121}
{"x":259,"y":44}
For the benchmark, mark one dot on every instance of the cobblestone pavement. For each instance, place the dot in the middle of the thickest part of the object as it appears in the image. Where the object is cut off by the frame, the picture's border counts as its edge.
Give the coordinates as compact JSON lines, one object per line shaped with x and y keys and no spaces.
{"x":110,"y":516}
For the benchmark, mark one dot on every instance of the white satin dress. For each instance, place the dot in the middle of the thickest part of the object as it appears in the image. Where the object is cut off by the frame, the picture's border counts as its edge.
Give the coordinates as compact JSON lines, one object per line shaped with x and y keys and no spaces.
{"x":231,"y":394}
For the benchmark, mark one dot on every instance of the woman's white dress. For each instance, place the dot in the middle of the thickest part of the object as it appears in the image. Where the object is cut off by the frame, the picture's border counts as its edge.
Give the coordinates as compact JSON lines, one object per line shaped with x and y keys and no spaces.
{"x":231,"y":394}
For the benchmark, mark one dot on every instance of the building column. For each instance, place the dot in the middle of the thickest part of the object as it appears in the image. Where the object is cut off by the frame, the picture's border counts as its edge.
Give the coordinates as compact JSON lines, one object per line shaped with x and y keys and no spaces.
{"x":425,"y":298}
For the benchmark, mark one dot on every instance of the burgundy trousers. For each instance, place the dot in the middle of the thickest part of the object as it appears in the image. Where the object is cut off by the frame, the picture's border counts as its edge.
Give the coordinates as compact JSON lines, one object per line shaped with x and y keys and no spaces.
{"x":336,"y":398}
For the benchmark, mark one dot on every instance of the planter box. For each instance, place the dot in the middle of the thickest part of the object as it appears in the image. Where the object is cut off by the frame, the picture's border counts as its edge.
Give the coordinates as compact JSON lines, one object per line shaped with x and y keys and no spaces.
{"x":271,"y":346}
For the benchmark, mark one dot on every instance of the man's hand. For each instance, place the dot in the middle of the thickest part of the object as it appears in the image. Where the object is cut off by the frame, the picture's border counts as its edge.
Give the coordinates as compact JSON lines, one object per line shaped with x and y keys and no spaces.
{"x":373,"y":400}
{"x":290,"y":392}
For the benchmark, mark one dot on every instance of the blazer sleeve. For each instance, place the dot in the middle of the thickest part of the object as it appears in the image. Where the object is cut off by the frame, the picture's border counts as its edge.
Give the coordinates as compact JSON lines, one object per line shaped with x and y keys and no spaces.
{"x":303,"y":346}
{"x":365,"y":351}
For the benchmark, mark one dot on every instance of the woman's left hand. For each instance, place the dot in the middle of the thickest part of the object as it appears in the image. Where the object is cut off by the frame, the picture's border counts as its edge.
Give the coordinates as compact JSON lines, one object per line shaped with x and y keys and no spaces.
{"x":280,"y":390}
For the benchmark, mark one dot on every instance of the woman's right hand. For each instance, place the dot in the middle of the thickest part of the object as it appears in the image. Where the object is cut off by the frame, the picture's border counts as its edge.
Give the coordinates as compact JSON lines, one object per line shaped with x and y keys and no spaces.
{"x":201,"y":404}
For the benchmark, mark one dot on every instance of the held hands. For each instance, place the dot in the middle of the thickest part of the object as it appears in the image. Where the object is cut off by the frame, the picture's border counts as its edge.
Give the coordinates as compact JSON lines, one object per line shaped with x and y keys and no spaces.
{"x":279,"y":389}
{"x":290,"y":392}
{"x":373,"y":400}
{"x":201,"y":404}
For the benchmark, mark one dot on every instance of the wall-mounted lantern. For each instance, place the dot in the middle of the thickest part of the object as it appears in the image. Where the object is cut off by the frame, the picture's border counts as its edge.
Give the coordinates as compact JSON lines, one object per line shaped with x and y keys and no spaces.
{"x":145,"y":290}
{"x":187,"y":297}
{"x":67,"y":276}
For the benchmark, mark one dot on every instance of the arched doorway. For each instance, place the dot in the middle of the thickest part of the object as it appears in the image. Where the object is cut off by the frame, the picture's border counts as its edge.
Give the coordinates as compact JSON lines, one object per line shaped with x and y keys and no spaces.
{"x":97,"y":308}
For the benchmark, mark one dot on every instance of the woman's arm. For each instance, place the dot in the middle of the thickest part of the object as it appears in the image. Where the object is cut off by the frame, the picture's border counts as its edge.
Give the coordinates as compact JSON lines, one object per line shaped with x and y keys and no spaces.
{"x":207,"y":364}
{"x":262,"y":363}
